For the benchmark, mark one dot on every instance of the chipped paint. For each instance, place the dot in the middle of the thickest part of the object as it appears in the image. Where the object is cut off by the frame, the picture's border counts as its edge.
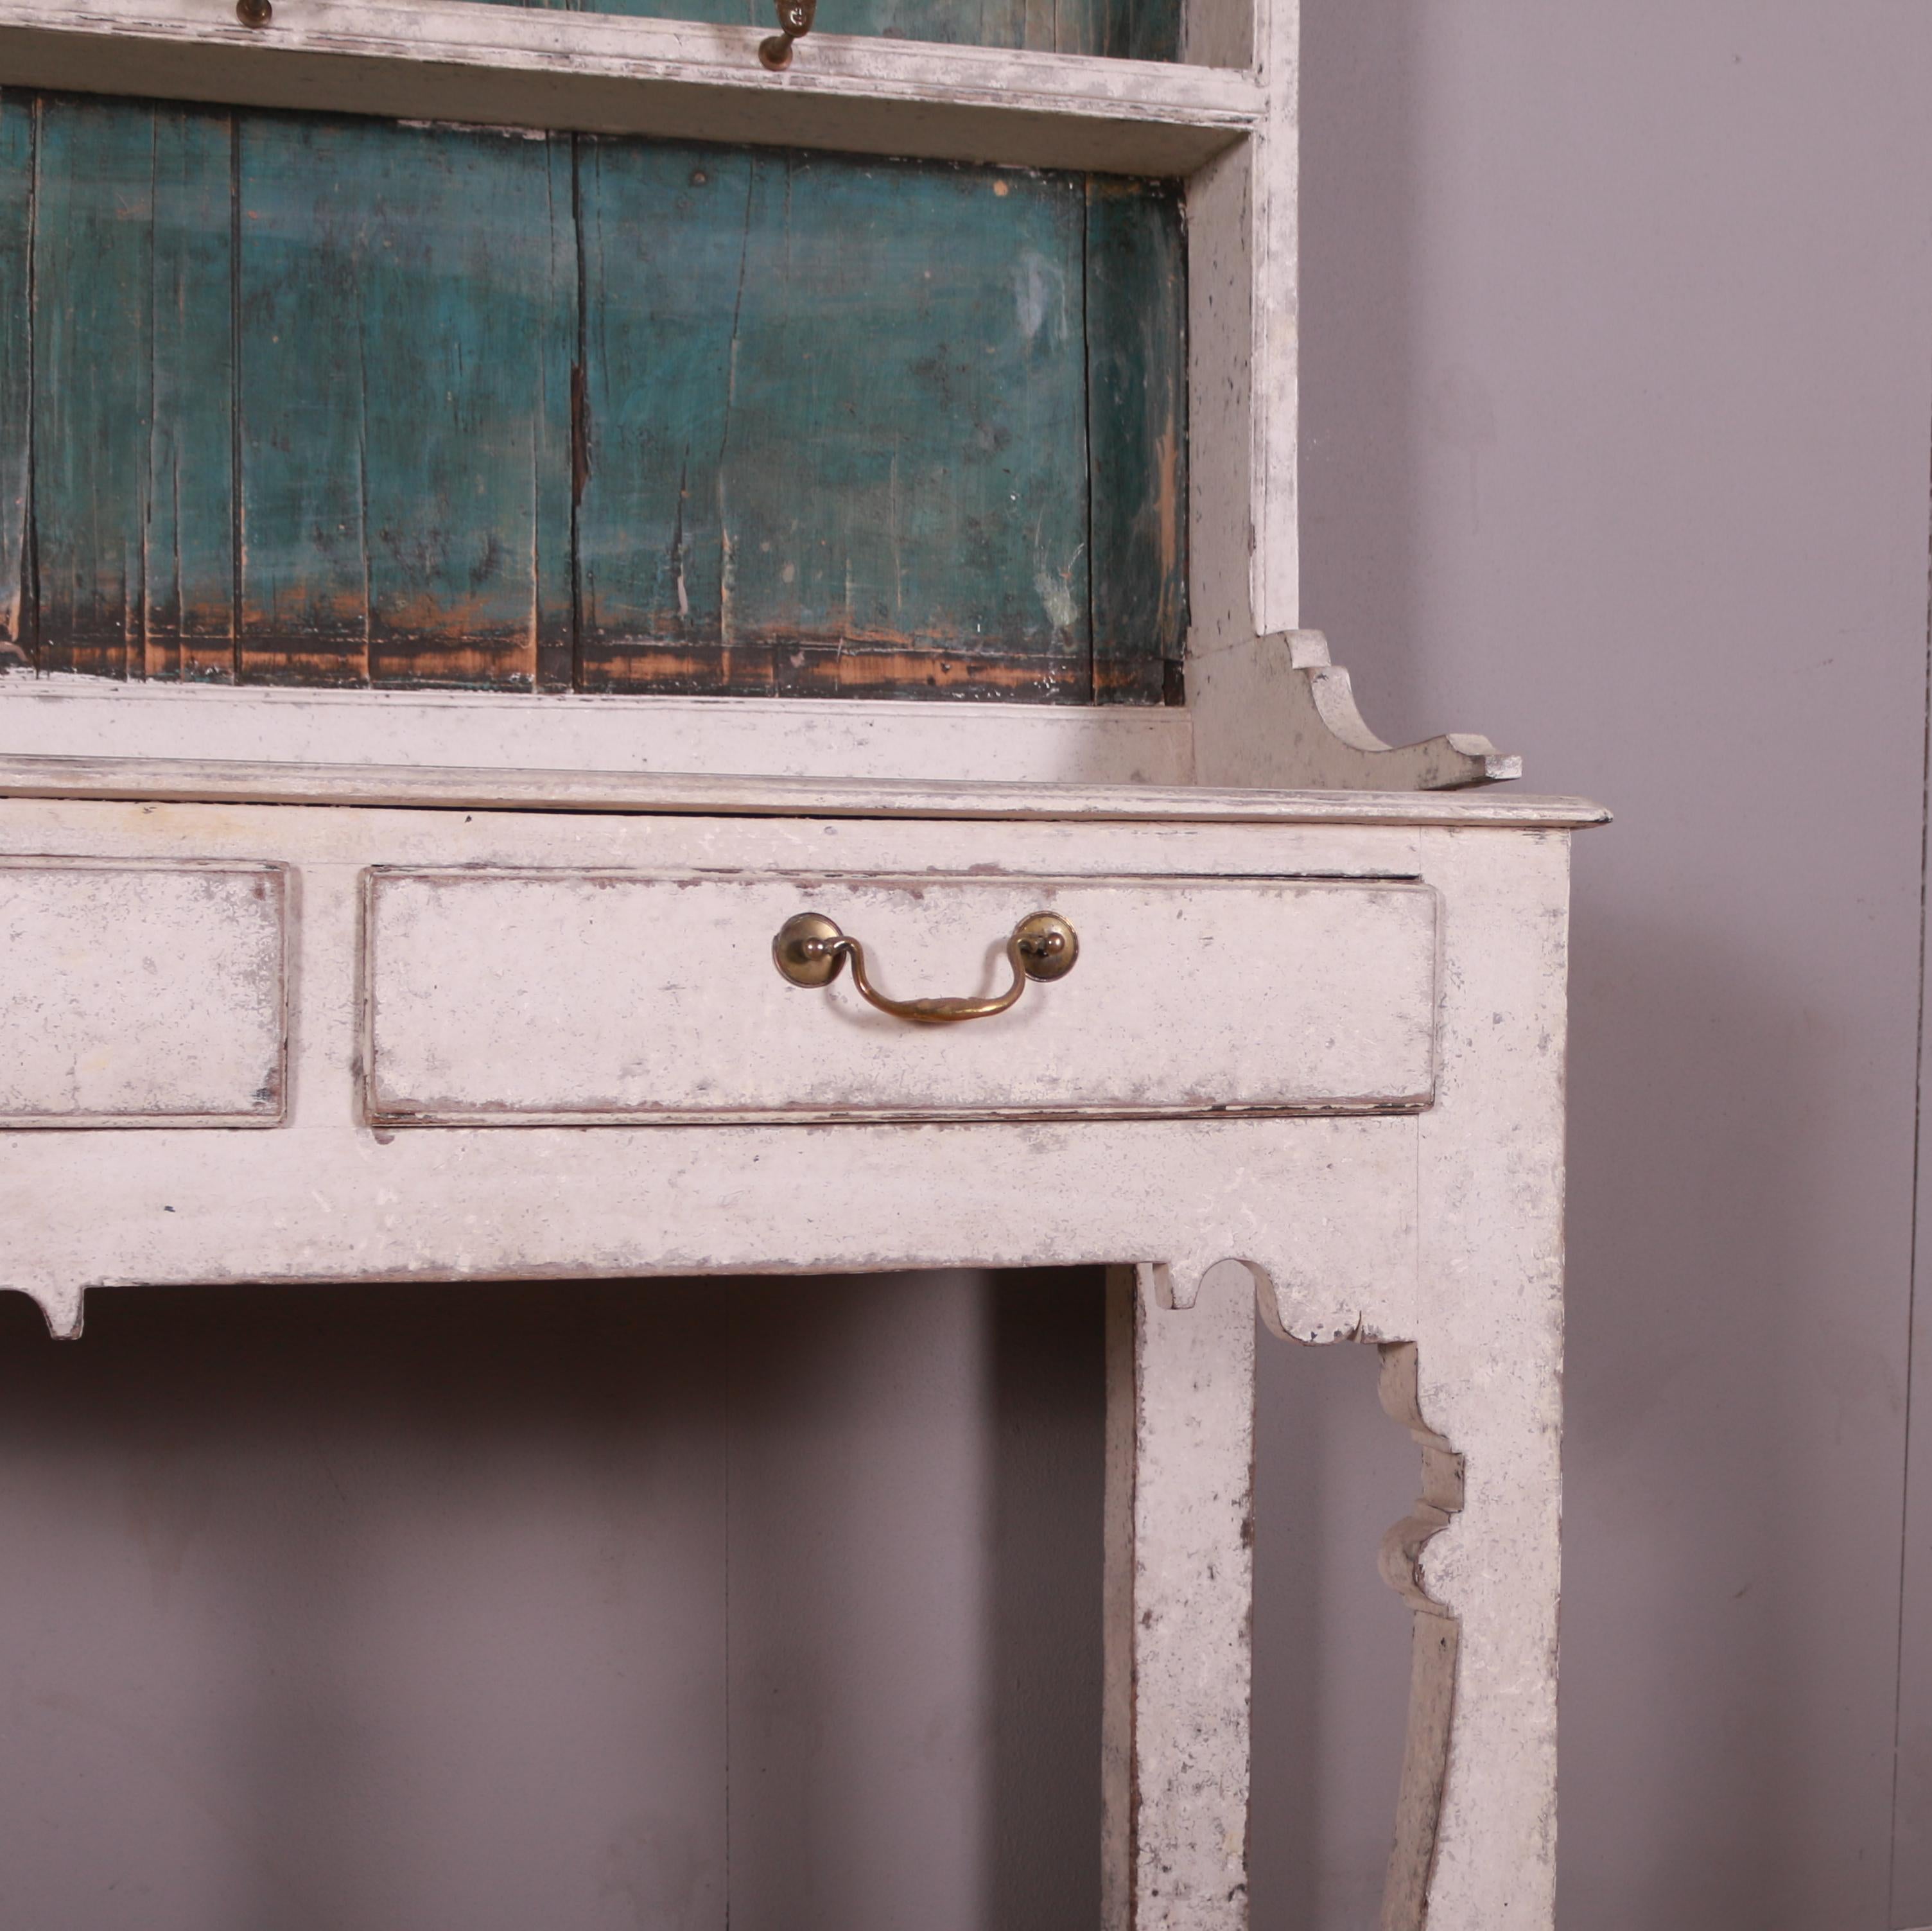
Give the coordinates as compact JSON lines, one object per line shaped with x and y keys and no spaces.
{"x":483,"y":437}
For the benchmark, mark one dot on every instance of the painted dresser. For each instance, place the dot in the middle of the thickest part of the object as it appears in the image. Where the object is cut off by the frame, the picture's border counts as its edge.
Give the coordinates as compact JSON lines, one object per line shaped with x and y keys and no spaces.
{"x":1226,"y":996}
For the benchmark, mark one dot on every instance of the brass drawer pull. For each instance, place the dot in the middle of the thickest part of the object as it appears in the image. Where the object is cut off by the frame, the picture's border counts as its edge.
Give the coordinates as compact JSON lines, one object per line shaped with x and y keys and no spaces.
{"x":810,"y":949}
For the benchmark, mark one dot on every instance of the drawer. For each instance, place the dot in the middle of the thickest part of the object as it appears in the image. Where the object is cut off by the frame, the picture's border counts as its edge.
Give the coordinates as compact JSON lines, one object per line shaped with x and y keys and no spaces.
{"x":139,"y":993}
{"x":521,"y":997}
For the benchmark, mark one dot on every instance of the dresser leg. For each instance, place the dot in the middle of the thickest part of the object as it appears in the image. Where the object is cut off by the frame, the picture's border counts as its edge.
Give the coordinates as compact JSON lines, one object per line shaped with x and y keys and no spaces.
{"x":1435,"y":1645}
{"x":1477,"y":1559}
{"x":1179,"y":1578}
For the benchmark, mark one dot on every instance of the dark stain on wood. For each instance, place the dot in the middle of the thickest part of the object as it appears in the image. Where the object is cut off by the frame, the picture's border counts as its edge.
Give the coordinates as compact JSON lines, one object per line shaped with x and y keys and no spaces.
{"x":18,"y":604}
{"x":1137,"y":441}
{"x":298,"y":399}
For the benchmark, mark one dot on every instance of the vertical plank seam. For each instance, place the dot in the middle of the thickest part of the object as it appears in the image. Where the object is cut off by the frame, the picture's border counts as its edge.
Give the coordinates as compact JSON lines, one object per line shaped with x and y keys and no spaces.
{"x":145,"y":502}
{"x":235,"y":534}
{"x":1906,"y":1497}
{"x":362,"y":465}
{"x":724,"y":569}
{"x":580,"y":409}
{"x":1087,"y":428}
{"x":30,"y":533}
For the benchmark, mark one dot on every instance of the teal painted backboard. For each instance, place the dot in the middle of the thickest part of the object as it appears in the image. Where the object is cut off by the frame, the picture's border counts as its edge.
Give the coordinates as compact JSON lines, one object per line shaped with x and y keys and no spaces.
{"x":301,"y":399}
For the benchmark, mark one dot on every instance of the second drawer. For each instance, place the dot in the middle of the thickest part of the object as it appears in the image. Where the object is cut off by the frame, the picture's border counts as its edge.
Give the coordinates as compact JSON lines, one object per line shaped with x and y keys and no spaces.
{"x":583,"y":997}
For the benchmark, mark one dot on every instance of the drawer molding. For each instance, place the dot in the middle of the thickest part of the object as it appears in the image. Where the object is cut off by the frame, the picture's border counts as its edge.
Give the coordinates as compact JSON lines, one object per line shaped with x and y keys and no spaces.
{"x":582,"y":997}
{"x":142,"y":993}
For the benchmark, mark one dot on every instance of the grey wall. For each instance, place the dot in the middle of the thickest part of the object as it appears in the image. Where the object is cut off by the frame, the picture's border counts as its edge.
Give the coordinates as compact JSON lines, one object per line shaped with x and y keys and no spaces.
{"x":554,"y":1606}
{"x":1619,"y":333}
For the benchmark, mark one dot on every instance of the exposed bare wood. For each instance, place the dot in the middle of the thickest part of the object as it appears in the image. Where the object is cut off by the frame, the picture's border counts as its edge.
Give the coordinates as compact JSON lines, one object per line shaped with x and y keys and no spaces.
{"x":455,"y":60}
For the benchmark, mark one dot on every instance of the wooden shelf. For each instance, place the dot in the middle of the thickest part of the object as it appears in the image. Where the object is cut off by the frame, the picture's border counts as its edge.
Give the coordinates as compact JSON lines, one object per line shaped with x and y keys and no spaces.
{"x":518,"y":66}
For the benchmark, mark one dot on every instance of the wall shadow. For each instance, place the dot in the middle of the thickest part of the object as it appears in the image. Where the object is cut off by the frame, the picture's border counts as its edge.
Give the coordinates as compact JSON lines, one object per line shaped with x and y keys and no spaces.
{"x":576,"y":1603}
{"x":1047,"y":1375}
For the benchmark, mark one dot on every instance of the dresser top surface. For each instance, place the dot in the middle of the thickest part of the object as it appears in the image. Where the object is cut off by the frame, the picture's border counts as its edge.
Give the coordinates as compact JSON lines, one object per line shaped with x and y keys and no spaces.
{"x":450,"y":787}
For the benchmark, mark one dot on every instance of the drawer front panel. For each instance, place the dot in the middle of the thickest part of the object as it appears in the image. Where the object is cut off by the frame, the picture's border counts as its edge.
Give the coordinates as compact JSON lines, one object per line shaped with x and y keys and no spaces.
{"x":514,"y":997}
{"x":141,"y":994}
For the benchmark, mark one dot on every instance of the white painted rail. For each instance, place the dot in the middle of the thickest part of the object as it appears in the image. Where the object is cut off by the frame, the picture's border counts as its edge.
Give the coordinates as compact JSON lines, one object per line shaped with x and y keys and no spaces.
{"x":459,"y":60}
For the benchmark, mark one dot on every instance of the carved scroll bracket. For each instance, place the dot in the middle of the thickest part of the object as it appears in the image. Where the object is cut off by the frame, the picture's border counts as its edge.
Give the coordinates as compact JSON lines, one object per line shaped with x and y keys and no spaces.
{"x":1276,"y":711}
{"x":1436,"y":1633}
{"x":1313,"y":1312}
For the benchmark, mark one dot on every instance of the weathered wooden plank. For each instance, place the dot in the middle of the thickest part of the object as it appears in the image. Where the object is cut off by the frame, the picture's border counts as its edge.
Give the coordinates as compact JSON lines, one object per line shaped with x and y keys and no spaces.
{"x":305,"y":584}
{"x":1082,"y":744}
{"x":17,"y":227}
{"x":824,"y":427}
{"x":559,"y":452}
{"x":468,"y":314}
{"x":408,"y":314}
{"x":93,"y":381}
{"x":672,"y":80}
{"x":449,"y":787}
{"x":837,"y":424}
{"x":188,"y":558}
{"x":1137,"y":438}
{"x":1131,"y":29}
{"x":133,"y":510}
{"x":1140,"y":29}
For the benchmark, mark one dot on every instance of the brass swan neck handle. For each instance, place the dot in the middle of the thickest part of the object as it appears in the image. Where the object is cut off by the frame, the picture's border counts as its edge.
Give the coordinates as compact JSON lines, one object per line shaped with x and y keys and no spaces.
{"x":811,"y":950}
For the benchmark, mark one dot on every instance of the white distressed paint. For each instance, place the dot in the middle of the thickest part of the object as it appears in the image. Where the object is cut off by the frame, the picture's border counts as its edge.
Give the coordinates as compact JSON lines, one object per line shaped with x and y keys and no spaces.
{"x":845,"y":738}
{"x":1437,"y":1233}
{"x":448,"y":789}
{"x":1191,"y":1564}
{"x":1489,"y":1361}
{"x":1439,"y":1229}
{"x":140,"y":992}
{"x":457,"y":60}
{"x":575,"y":997}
